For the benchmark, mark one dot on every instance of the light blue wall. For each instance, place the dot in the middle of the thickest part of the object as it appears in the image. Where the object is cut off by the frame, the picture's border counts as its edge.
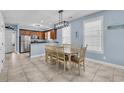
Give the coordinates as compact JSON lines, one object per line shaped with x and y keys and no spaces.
{"x":77,"y":26}
{"x":113,"y":40}
{"x":59,"y":36}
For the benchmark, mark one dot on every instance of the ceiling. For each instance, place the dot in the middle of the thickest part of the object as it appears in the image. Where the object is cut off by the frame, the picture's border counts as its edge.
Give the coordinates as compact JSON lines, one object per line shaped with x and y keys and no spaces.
{"x":41,"y":19}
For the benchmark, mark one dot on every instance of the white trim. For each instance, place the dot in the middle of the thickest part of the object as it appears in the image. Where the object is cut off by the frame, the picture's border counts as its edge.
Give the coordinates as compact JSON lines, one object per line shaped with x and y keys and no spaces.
{"x":102,"y":25}
{"x":92,"y":51}
{"x":17,"y":52}
{"x":105,"y":63}
{"x":37,"y":56}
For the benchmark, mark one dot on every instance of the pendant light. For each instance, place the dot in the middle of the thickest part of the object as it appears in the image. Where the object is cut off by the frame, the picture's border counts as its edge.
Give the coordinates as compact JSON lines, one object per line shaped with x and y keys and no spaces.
{"x":61,"y":24}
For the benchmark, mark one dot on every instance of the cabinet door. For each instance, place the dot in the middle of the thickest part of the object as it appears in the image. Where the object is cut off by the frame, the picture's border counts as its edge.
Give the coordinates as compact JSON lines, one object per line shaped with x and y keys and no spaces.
{"x":53,"y":34}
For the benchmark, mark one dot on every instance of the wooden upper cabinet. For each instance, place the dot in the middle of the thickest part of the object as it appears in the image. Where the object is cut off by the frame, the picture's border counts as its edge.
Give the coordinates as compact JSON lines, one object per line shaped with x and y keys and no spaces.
{"x":25,"y":32}
{"x":43,"y":35}
{"x":53,"y":34}
{"x":40,"y":35}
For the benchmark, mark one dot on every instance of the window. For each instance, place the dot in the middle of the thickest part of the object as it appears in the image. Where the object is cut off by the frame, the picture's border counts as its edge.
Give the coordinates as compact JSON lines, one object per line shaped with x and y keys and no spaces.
{"x":93,"y":33}
{"x":66,"y":35}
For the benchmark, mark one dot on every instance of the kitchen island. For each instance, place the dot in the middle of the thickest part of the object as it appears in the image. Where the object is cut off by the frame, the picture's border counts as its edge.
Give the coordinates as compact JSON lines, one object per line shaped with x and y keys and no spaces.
{"x":38,"y":48}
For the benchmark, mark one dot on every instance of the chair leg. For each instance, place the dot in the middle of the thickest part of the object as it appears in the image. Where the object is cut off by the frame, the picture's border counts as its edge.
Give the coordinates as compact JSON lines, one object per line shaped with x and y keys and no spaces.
{"x":64,"y":66}
{"x":46,"y":57}
{"x":72,"y":66}
{"x":79,"y":68}
{"x":75,"y":65}
{"x":84,"y":66}
{"x":57,"y":64}
{"x":50,"y":58}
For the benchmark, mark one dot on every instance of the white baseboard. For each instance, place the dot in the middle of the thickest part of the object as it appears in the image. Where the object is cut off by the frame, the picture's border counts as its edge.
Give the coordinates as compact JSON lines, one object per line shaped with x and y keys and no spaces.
{"x":105,"y":63}
{"x":37,"y":56}
{"x":17,"y":52}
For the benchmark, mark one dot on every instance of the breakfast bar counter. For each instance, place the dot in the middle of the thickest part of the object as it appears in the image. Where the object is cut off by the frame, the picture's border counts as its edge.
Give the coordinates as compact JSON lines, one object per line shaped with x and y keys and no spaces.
{"x":38,"y":48}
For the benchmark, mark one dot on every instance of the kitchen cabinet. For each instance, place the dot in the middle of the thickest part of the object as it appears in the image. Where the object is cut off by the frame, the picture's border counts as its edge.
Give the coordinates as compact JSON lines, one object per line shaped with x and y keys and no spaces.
{"x":39,"y":34}
{"x":46,"y":35}
{"x":23,"y":32}
{"x":53,"y":34}
{"x":43,"y":35}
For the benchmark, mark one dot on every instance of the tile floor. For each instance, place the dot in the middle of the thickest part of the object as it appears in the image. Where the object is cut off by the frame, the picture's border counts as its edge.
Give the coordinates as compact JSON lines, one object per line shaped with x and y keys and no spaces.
{"x":21,"y":68}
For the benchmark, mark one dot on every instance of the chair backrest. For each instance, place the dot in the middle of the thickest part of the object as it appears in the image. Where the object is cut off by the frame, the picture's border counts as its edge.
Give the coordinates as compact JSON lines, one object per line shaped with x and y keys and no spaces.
{"x":46,"y":48}
{"x":82,"y":53}
{"x":54,"y":50}
{"x":60,"y":52}
{"x":50,"y":48}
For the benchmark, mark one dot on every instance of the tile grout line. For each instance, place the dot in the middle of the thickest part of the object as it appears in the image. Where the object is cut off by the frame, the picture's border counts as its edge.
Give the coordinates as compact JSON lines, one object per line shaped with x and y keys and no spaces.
{"x":113,"y":74}
{"x":28,"y":80}
{"x":95,"y":73}
{"x":8,"y":70}
{"x":43,"y":72}
{"x":40,"y":70}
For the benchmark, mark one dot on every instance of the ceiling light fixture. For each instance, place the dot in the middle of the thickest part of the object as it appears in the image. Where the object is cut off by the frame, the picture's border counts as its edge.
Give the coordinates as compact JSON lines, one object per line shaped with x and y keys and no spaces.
{"x":61,"y":24}
{"x":37,"y":25}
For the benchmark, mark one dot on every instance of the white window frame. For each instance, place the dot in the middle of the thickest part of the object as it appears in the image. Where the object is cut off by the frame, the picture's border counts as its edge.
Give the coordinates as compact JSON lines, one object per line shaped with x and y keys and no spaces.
{"x":64,"y":36}
{"x":90,"y":20}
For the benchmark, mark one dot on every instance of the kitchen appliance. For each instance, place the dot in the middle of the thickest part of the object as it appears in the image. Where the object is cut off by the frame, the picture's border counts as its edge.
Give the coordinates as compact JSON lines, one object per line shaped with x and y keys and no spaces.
{"x":25,"y":43}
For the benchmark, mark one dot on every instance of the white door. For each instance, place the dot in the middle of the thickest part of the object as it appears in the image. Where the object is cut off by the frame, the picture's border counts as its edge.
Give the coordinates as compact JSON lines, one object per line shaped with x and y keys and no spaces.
{"x":2,"y":49}
{"x":8,"y":41}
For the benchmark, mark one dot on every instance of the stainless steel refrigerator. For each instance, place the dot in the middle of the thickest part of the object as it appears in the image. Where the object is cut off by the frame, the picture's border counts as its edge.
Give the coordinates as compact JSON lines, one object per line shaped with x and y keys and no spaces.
{"x":25,"y":43}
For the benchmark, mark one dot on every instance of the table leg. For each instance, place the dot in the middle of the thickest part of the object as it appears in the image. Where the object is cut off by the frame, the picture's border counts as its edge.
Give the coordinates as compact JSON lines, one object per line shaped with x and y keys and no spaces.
{"x":69,"y":61}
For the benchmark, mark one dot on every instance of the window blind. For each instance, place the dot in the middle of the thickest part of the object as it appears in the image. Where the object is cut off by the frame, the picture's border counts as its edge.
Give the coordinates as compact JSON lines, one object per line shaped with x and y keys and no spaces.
{"x":93,"y":33}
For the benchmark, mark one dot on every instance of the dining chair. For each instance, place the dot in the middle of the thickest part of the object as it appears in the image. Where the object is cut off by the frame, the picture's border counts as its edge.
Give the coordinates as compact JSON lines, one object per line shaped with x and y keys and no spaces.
{"x":54,"y":53}
{"x":48,"y":53}
{"x":79,"y":58}
{"x":61,"y":57}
